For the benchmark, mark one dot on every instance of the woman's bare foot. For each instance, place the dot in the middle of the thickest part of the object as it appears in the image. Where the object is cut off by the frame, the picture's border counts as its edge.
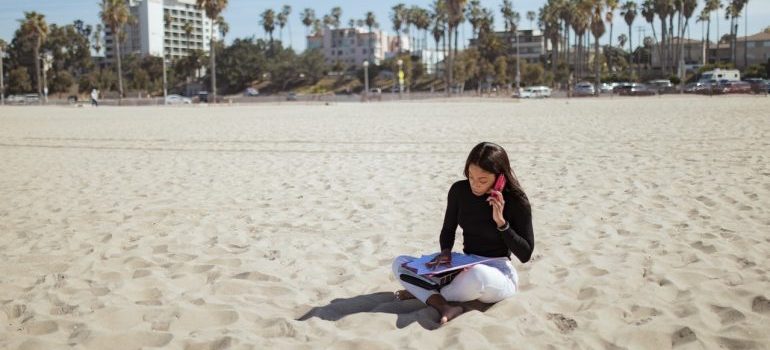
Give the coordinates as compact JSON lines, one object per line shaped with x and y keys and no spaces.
{"x":403,"y":295}
{"x":449,"y":313}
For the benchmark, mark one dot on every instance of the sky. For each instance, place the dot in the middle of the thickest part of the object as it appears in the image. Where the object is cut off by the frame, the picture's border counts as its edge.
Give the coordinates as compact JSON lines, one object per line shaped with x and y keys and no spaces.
{"x":243,"y":16}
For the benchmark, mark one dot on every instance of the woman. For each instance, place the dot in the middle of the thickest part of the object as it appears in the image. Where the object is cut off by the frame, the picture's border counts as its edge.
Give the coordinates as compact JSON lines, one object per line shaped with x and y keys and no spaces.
{"x":495,"y":224}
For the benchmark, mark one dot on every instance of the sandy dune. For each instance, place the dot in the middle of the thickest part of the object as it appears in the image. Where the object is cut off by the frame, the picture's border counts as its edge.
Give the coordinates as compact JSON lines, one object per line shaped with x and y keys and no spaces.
{"x":274,"y":226}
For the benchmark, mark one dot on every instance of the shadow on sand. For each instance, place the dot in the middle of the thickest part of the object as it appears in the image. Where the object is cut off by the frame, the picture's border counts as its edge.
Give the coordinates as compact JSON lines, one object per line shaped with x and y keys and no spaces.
{"x":408,"y":311}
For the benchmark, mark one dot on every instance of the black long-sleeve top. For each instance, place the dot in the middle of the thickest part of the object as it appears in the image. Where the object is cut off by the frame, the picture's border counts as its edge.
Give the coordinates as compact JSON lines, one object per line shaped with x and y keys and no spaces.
{"x":480,"y":234}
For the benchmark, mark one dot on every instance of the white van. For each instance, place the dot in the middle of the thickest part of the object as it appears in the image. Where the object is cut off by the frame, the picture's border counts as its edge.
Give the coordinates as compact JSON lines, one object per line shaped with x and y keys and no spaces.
{"x":535,"y":92}
{"x":718,"y":75}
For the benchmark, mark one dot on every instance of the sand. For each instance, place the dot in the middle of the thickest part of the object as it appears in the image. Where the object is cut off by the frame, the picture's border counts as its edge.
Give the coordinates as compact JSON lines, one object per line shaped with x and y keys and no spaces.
{"x":274,"y":226}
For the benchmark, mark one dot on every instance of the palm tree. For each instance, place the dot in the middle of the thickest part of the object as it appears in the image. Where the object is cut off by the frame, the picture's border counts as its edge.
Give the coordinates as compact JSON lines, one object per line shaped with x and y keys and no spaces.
{"x":398,"y":17}
{"x":688,"y":9}
{"x":3,"y":44}
{"x":336,"y":14}
{"x":308,"y":17}
{"x":711,"y":6}
{"x":732,"y":13}
{"x":115,"y":15}
{"x":597,"y":29}
{"x":580,"y":22}
{"x":286,"y":12}
{"x":629,"y":12}
{"x":648,"y":12}
{"x":268,"y":23}
{"x":281,"y":19}
{"x":370,"y":20}
{"x":223,"y":26}
{"x":421,"y":18}
{"x":34,"y":26}
{"x":213,"y":8}
{"x":454,"y":10}
{"x":507,"y":10}
{"x":474,"y":16}
{"x":531,"y":16}
{"x":663,"y":8}
{"x":612,"y":5}
{"x":548,"y":18}
{"x":439,"y":17}
{"x":188,"y":29}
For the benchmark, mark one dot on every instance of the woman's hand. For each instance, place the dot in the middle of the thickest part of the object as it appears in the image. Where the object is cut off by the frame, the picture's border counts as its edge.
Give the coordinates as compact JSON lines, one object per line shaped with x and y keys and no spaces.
{"x":497,"y":203}
{"x":443,"y":258}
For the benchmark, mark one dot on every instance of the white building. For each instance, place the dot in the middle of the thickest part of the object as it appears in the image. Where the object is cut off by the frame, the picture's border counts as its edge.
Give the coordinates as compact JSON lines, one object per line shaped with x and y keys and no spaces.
{"x":150,"y":36}
{"x":352,"y":46}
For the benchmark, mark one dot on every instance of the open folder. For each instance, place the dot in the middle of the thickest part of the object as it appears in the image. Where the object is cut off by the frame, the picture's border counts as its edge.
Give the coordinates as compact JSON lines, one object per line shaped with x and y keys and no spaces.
{"x":417,"y":273}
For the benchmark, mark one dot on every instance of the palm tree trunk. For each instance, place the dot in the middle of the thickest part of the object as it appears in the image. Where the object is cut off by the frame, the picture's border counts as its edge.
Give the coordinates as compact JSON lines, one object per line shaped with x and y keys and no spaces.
{"x":708,"y":43}
{"x":609,"y":57}
{"x":450,"y":63}
{"x":36,"y":53}
{"x":120,"y":69}
{"x":213,"y":72}
{"x":597,"y":75}
{"x":630,"y":51}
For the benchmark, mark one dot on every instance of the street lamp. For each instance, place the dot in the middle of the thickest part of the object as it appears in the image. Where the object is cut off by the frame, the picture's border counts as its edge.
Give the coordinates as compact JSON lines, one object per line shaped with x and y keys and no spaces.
{"x":400,"y":77}
{"x":366,"y":80}
{"x":47,"y":58}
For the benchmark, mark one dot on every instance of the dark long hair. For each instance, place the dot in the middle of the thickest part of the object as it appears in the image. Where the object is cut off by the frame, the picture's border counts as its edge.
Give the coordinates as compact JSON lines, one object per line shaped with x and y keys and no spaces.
{"x":492,"y":158}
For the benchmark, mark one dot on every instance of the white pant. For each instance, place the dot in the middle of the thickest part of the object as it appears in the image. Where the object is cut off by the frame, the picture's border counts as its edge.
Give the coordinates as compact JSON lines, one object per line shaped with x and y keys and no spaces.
{"x":488,"y":282}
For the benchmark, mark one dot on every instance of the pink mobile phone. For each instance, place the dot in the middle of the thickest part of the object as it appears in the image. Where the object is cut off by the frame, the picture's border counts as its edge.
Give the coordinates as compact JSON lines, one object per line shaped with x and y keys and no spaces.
{"x":499,"y":183}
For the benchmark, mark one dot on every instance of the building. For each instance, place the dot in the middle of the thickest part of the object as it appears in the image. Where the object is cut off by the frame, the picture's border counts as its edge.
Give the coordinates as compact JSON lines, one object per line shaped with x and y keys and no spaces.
{"x":149,"y":35}
{"x":532,"y":46}
{"x":352,"y":46}
{"x":751,"y":50}
{"x":694,"y":51}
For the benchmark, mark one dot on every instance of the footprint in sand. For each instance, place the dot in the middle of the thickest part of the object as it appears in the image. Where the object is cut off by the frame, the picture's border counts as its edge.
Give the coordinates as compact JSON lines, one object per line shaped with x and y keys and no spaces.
{"x":218,"y":344}
{"x":706,"y":200}
{"x":728,"y":315}
{"x":706,"y":248}
{"x":761,"y":305}
{"x":565,"y":324}
{"x":42,"y":327}
{"x":683,"y":336}
{"x":587,"y":293}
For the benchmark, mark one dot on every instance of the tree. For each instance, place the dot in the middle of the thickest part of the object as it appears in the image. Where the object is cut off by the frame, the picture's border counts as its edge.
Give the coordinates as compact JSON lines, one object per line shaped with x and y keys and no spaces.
{"x":370,"y":21}
{"x":115,"y":15}
{"x":474,"y":15}
{"x":454,"y":18}
{"x":629,"y":11}
{"x":281,"y":18}
{"x":531,"y":16}
{"x":286,"y":12}
{"x":188,"y":29}
{"x":439,"y":19}
{"x":398,"y":17}
{"x":18,"y":81}
{"x":336,"y":15}
{"x":268,"y":23}
{"x":612,"y":5}
{"x":308,"y":18}
{"x":648,"y":12}
{"x":597,"y":29}
{"x":34,"y":27}
{"x":223,"y":26}
{"x":213,"y":8}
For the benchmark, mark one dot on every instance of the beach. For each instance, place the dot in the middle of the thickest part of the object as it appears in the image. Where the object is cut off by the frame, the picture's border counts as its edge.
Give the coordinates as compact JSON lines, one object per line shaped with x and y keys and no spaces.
{"x":275,"y":225}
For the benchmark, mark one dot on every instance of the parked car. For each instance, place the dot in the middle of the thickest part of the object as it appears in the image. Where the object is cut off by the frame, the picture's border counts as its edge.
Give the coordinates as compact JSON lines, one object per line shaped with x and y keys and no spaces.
{"x":735,"y":87}
{"x":621,"y":88}
{"x":758,"y":85}
{"x":535,"y":92}
{"x":661,"y":86}
{"x":291,"y":96}
{"x":31,"y":98}
{"x":584,"y":89}
{"x":14,"y":99}
{"x":605,"y":88}
{"x":251,"y":92}
{"x":178,"y":100}
{"x":642,"y":90}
